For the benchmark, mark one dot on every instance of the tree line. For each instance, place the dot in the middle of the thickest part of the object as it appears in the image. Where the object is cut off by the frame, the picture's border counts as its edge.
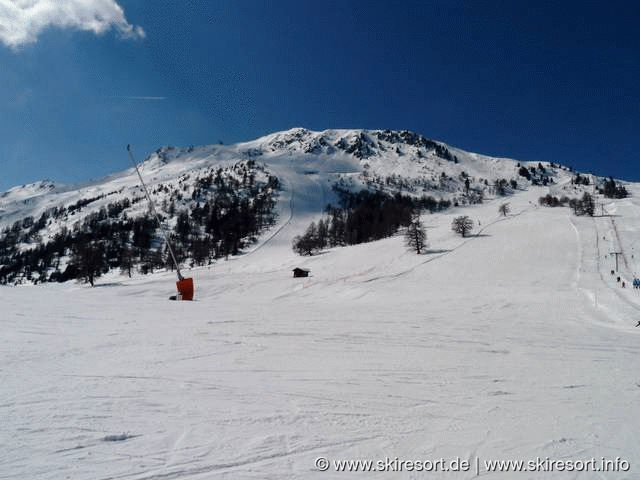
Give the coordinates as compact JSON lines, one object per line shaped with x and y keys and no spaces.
{"x":584,"y":206}
{"x":213,"y":215}
{"x":362,"y":217}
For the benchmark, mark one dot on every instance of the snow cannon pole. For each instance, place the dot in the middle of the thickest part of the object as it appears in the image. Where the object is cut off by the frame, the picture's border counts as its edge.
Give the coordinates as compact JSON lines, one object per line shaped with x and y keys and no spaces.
{"x":155,"y":212}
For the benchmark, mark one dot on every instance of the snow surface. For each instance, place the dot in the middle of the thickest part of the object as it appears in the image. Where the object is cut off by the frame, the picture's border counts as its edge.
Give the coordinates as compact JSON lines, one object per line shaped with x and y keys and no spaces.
{"x":512,"y":344}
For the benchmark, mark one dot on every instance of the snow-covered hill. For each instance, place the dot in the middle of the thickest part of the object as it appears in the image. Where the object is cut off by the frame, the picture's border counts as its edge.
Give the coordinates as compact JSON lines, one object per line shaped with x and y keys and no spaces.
{"x":42,"y":224}
{"x":373,"y":156}
{"x":515,"y":344}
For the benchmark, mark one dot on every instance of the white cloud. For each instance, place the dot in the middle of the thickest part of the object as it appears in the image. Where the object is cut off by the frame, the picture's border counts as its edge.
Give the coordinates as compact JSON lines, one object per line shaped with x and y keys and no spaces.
{"x":21,"y":21}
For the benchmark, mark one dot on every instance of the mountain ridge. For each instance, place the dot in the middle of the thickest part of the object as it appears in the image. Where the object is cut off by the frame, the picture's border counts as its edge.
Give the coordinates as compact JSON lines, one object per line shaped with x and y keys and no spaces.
{"x":198,"y":190}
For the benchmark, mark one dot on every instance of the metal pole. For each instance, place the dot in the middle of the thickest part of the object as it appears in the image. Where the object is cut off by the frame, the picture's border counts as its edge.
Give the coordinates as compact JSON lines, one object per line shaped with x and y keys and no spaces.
{"x":153,"y":209}
{"x":616,"y":254}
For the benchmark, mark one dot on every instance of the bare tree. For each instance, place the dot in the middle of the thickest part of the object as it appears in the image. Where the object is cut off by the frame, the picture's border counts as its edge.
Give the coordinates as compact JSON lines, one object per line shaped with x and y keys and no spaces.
{"x":416,"y":237}
{"x":462,"y":225}
{"x":307,"y":243}
{"x":126,"y":260}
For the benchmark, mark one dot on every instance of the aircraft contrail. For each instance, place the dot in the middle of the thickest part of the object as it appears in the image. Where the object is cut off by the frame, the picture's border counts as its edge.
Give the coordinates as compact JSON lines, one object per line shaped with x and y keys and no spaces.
{"x":144,"y":98}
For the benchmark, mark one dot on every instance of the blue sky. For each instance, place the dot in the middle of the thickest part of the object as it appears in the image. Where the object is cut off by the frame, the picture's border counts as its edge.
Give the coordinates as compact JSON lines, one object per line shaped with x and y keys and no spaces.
{"x":543,"y":81}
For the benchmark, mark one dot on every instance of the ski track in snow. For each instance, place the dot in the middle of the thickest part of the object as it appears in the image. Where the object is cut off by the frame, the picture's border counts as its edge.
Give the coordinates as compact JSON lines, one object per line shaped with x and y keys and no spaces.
{"x":509,"y":345}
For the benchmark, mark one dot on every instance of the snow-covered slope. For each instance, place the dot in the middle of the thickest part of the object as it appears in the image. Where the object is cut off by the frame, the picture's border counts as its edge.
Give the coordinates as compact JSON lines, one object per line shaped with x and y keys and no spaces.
{"x":47,"y":219}
{"x":515,"y":344}
{"x":371,"y":156}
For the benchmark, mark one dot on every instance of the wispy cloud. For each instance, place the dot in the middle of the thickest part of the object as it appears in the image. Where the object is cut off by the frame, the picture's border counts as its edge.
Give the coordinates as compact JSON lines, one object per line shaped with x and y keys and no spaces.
{"x":22,"y":21}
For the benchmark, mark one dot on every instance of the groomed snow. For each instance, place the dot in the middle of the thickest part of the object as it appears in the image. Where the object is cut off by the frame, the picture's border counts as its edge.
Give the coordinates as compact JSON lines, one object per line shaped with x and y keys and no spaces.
{"x":513,"y":344}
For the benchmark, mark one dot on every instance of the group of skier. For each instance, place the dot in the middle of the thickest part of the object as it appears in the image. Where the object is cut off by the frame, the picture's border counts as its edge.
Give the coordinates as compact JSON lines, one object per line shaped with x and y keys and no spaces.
{"x":635,"y":283}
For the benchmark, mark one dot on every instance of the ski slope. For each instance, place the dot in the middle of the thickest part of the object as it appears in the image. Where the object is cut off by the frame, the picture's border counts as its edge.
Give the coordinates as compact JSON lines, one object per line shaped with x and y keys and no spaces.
{"x":513,"y":344}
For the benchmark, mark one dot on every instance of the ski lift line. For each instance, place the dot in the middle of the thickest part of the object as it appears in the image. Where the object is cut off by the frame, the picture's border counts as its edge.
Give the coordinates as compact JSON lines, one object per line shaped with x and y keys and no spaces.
{"x":624,"y":257}
{"x":155,"y":212}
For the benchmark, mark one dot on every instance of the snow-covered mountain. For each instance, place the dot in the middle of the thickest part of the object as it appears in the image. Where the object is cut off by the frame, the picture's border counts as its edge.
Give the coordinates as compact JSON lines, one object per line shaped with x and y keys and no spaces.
{"x":378,"y":157}
{"x":43,"y":225}
{"x":515,"y":344}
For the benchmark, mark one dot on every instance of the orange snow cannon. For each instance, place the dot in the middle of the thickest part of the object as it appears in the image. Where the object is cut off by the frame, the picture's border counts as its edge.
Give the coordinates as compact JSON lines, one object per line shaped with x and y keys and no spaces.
{"x":185,"y":288}
{"x":185,"y":285}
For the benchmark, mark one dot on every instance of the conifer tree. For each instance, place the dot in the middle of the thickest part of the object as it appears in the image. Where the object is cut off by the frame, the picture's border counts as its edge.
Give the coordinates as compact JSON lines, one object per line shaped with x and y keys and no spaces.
{"x":416,"y":236}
